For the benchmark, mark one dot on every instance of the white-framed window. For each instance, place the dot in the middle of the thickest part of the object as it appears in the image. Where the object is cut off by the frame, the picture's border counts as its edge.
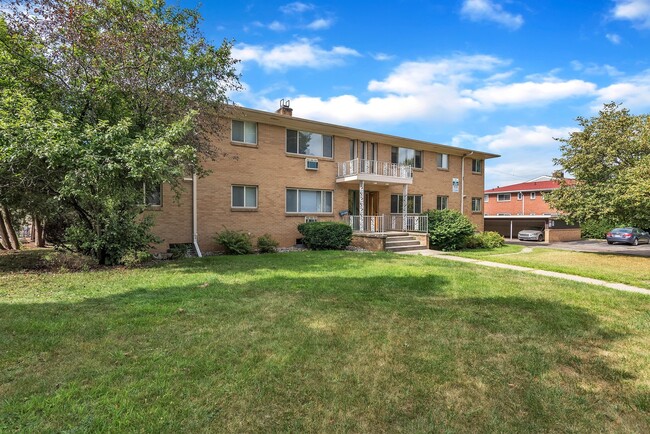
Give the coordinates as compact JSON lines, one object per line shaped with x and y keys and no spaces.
{"x":413,"y":203}
{"x":152,"y":194}
{"x":442,"y":161}
{"x":520,"y":196}
{"x":486,"y":198}
{"x":476,"y":204}
{"x":307,"y":143}
{"x":503,"y":197}
{"x":244,"y":196}
{"x":442,"y":202}
{"x":406,"y":157}
{"x":477,"y":166}
{"x":308,"y":201}
{"x":244,"y":132}
{"x":533,"y":195}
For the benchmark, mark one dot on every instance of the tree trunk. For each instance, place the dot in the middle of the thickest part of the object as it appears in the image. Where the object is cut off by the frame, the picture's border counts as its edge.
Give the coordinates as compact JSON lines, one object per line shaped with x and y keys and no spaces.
{"x":4,"y":237}
{"x":32,"y":234}
{"x":12,"y":238}
{"x":38,"y":228}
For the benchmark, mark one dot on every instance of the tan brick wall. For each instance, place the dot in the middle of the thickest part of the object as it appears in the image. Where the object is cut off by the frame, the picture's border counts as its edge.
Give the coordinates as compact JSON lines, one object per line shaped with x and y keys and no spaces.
{"x":560,"y":235}
{"x":272,"y":170}
{"x":375,"y":244}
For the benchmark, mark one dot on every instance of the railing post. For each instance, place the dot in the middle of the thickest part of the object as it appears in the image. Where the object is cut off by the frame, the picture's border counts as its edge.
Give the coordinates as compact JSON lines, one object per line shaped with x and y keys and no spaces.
{"x":405,"y":193}
{"x":361,"y":205}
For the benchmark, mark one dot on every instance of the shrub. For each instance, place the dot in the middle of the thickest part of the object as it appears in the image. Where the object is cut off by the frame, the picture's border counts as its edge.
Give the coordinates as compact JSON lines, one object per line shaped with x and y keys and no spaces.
{"x":179,"y":251}
{"x":448,"y":229}
{"x":234,"y":242}
{"x":134,"y":258}
{"x":266,"y":244}
{"x":485,"y":240}
{"x":325,"y":235}
{"x":596,"y":228}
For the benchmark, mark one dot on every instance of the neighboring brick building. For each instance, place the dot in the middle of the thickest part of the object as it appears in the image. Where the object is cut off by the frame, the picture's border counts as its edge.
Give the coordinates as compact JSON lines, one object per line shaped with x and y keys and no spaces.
{"x":282,"y":170}
{"x":525,"y":198}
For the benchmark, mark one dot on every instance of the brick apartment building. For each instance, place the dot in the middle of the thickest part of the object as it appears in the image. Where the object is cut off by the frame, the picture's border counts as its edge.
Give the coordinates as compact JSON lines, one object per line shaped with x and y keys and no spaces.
{"x":515,"y":207}
{"x":525,"y":198}
{"x":283,"y":171}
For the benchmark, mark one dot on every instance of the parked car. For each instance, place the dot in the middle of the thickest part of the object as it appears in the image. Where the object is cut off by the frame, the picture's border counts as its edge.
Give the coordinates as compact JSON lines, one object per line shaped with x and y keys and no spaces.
{"x":531,"y":234}
{"x":632,"y":236}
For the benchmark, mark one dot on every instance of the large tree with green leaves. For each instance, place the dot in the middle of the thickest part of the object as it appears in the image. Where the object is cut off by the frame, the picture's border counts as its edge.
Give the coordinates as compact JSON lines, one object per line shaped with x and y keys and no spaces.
{"x":131,"y":93}
{"x":610,"y":159}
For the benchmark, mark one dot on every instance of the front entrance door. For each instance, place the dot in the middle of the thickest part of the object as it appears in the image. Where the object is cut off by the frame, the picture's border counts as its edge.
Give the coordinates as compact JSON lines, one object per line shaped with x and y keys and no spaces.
{"x":371,"y":202}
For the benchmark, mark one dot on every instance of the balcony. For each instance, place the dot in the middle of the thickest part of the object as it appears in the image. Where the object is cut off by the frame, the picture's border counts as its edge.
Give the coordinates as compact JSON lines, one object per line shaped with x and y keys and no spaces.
{"x":374,"y":171}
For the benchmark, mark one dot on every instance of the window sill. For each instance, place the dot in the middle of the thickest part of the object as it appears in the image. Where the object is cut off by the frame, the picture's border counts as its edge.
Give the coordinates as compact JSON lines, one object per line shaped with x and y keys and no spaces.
{"x":234,"y":209}
{"x":153,"y":207}
{"x":289,"y":154}
{"x":417,"y":169}
{"x":308,"y":214}
{"x":442,"y":169}
{"x":245,"y":145}
{"x":477,"y":173}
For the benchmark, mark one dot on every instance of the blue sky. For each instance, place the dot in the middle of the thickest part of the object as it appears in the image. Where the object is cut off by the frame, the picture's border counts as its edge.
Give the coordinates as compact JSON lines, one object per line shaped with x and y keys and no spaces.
{"x":503,"y":76}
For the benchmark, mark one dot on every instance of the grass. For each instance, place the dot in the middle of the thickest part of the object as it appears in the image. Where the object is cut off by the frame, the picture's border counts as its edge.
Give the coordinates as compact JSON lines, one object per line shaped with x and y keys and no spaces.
{"x":632,"y":270}
{"x":320,"y":341}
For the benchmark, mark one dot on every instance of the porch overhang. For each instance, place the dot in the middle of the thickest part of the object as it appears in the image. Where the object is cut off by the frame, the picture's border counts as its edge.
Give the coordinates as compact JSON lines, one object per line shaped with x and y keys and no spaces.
{"x":375,"y":179}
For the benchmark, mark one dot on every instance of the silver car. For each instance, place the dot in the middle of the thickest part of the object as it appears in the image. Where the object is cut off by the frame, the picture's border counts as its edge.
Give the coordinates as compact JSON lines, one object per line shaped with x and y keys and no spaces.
{"x":632,"y":236}
{"x":531,"y":234}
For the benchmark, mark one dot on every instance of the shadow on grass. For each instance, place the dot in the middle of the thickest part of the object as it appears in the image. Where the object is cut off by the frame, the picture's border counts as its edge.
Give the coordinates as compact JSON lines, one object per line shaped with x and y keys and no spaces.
{"x":286,"y":354}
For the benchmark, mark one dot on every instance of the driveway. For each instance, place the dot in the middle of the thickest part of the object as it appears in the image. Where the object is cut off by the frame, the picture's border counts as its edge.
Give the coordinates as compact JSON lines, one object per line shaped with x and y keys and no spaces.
{"x":591,"y":246}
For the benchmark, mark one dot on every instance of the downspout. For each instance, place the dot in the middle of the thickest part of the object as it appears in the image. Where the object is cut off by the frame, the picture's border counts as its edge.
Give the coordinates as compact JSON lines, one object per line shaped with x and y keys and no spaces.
{"x":462,"y":182}
{"x":195,"y":224}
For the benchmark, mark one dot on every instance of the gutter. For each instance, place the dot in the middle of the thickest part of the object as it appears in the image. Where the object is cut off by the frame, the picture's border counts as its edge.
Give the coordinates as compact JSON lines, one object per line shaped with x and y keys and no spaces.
{"x":195,"y":224}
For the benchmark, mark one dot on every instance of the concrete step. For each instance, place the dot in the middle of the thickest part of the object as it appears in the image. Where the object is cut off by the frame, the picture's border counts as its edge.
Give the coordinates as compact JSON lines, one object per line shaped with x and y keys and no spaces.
{"x":411,"y":242}
{"x":401,"y":238}
{"x":406,"y":248}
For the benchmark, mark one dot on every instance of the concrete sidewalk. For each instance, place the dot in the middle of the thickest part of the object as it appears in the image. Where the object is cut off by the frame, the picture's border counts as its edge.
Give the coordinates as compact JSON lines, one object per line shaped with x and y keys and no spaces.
{"x":616,"y":286}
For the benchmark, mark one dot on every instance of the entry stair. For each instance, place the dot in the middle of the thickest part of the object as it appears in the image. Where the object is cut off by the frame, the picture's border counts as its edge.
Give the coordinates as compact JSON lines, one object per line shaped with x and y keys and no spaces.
{"x":403,"y":242}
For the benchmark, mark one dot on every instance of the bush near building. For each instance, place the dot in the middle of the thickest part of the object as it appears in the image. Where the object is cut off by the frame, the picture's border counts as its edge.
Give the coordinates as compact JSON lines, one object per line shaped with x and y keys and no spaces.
{"x":448,"y":229}
{"x":325,"y":235}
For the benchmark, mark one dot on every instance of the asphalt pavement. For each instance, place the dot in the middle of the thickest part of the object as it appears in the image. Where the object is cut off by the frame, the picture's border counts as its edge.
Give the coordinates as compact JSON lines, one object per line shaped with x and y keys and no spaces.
{"x":591,"y":246}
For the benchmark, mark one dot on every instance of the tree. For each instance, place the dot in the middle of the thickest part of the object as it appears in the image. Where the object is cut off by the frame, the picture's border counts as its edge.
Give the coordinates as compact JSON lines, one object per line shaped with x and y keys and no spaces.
{"x":609,"y":158}
{"x":131,"y":93}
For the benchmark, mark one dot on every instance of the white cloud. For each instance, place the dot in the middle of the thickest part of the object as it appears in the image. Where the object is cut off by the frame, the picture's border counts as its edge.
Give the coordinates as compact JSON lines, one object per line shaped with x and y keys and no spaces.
{"x":301,"y":53}
{"x":319,"y":24}
{"x":488,"y":10}
{"x":595,"y":69}
{"x":637,"y":11}
{"x":277,"y":26}
{"x":633,"y":93}
{"x":296,"y":8}
{"x":510,"y":137}
{"x":382,"y":57}
{"x":530,"y":93}
{"x":614,"y":38}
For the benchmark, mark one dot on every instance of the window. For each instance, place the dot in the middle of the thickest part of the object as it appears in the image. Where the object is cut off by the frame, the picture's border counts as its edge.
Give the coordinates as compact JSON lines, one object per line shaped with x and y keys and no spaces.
{"x":413,"y":204}
{"x":477,"y":166}
{"x":503,"y":197}
{"x":443,"y":161}
{"x":503,"y":213}
{"x":308,"y":201}
{"x":442,"y":202}
{"x":520,"y":196}
{"x":152,"y":195}
{"x":244,"y":132}
{"x":353,"y":149}
{"x":486,"y":198}
{"x":407,"y":157}
{"x":244,"y":196}
{"x":476,"y":204}
{"x":533,"y":195}
{"x":306,"y":143}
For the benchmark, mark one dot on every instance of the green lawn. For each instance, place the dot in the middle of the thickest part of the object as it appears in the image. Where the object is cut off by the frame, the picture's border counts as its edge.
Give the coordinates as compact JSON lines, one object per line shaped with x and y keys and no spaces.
{"x":633,"y":270}
{"x":320,"y":341}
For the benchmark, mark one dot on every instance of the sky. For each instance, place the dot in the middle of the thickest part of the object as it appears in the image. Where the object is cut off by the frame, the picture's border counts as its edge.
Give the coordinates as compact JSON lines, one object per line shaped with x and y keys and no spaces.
{"x":501,"y":76}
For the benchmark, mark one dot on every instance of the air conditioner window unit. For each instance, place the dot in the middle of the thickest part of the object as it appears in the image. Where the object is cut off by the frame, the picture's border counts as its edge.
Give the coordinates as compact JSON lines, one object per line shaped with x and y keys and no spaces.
{"x":311,"y":164}
{"x":309,"y":219}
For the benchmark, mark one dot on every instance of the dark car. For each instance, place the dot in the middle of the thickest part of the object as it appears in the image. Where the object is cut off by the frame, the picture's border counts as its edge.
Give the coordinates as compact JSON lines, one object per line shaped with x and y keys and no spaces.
{"x":632,"y":236}
{"x":531,"y":234}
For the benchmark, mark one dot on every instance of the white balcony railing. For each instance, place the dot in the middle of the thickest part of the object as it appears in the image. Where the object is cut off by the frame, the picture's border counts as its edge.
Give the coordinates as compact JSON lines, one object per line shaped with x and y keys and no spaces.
{"x":373,"y":167}
{"x":394,"y":222}
{"x":371,"y":223}
{"x":409,"y":223}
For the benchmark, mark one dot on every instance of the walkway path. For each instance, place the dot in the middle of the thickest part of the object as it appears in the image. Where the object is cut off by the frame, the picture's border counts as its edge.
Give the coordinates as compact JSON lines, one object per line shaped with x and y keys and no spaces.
{"x":616,"y":286}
